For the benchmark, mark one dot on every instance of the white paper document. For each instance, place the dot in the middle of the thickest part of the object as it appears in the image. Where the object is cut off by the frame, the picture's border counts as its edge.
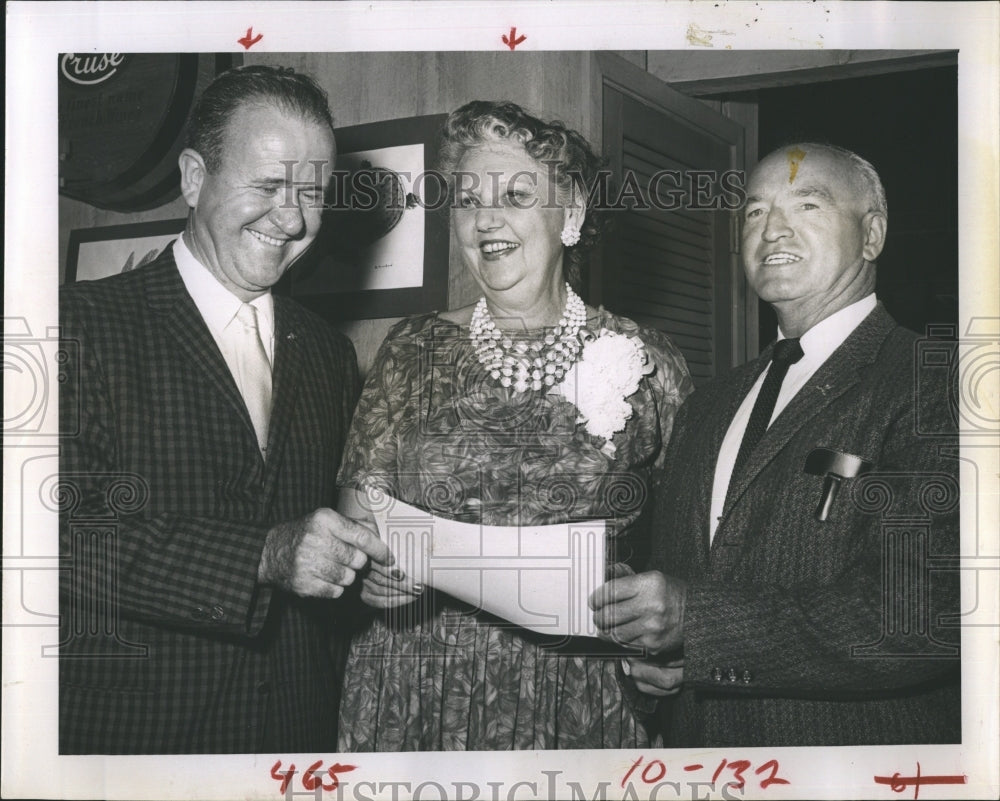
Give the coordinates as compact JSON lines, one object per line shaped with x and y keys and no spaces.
{"x":538,"y":577}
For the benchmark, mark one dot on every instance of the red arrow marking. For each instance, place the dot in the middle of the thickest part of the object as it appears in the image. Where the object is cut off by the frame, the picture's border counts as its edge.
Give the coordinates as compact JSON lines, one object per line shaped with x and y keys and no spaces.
{"x":514,"y":39}
{"x":250,"y":40}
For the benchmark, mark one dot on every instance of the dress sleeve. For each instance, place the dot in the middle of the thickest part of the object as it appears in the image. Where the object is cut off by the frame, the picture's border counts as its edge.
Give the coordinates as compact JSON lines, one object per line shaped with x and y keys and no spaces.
{"x":670,"y":382}
{"x":370,"y":455}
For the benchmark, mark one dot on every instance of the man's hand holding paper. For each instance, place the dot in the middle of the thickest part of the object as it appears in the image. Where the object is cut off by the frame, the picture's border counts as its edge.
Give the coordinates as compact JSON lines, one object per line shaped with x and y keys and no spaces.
{"x":642,"y":611}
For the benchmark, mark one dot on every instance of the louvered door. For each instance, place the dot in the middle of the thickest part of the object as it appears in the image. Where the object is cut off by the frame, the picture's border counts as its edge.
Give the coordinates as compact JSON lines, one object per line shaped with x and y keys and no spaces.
{"x":675,"y":270}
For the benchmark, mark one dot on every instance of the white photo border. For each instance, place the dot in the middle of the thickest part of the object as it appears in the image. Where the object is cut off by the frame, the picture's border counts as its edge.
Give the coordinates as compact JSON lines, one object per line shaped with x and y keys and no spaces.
{"x":37,"y":32}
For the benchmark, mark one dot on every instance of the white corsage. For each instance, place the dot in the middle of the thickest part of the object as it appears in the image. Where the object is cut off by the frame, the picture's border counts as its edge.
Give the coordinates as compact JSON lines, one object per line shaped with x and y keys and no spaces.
{"x":608,"y":372}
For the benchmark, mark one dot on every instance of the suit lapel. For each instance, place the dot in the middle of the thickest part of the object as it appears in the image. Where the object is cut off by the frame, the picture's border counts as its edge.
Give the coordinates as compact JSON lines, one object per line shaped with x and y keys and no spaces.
{"x":287,"y":378}
{"x":836,"y":375}
{"x":180,"y":319}
{"x":725,"y":402}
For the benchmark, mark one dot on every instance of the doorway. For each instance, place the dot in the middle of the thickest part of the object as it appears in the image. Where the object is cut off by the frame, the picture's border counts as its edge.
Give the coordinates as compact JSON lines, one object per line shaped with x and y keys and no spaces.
{"x":906,"y":125}
{"x":899,"y":113}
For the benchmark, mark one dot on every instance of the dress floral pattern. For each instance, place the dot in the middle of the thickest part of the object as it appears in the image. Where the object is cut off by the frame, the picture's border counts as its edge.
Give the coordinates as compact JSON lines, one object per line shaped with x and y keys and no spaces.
{"x":433,"y":429}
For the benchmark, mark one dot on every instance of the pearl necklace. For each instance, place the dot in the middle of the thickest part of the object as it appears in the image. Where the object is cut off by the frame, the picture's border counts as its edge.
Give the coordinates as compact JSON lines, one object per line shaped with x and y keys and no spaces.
{"x":522,"y":364}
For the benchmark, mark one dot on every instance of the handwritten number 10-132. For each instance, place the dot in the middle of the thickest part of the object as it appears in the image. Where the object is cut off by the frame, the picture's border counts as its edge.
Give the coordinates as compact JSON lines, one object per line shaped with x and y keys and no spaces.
{"x":655,"y":770}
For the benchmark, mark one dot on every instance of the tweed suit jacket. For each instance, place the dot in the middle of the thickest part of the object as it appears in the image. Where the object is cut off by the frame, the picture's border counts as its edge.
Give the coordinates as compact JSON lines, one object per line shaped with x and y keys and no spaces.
{"x":800,"y":632}
{"x":169,"y":644}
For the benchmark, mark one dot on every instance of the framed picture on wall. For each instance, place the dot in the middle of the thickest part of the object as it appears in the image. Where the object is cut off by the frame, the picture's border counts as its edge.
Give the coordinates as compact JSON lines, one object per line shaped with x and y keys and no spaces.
{"x":383,"y":247}
{"x":99,"y":252}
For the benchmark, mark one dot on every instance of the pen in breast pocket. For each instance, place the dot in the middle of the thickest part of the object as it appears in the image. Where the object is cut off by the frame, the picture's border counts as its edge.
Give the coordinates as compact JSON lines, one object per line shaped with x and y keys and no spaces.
{"x":834,"y":467}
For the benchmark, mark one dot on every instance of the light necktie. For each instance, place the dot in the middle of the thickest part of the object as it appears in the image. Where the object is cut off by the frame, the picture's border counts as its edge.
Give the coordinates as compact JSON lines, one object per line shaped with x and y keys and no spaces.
{"x":786,"y":352}
{"x":255,"y":371}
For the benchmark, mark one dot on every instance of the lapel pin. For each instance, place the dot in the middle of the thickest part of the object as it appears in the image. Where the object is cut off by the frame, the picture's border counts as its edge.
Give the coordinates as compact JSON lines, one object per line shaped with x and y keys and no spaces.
{"x":291,"y":336}
{"x":834,"y":467}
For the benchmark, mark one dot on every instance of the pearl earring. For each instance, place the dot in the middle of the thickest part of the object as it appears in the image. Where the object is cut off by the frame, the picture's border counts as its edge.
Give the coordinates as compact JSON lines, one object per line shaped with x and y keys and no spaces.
{"x":570,"y":235}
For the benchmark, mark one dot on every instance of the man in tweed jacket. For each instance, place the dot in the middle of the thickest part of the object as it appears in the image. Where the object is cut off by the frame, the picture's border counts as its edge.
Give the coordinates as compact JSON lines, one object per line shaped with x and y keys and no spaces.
{"x":200,"y":551}
{"x":768,"y":621}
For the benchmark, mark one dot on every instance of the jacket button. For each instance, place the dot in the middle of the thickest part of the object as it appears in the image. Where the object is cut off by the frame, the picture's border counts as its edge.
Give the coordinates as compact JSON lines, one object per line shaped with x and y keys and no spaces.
{"x":716,"y":674}
{"x":747,"y":677}
{"x":732,"y":675}
{"x":199,"y":613}
{"x":263,"y":687}
{"x":218,"y":613}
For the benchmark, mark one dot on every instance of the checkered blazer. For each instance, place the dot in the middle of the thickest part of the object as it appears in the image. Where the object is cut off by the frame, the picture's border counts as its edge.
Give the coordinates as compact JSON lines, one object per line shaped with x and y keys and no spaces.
{"x":169,"y":645}
{"x":800,"y":632}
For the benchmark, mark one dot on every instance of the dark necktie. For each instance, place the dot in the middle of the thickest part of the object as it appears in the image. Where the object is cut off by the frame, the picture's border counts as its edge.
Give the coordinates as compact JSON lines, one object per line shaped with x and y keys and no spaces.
{"x":786,"y":352}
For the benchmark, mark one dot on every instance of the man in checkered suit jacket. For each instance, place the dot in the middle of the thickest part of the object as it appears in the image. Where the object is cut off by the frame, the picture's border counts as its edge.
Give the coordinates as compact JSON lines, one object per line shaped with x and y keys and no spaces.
{"x":201,"y":554}
{"x":780,"y":612}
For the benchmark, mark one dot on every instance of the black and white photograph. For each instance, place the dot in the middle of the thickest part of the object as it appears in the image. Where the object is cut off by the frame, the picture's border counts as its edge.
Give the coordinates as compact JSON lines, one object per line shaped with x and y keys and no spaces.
{"x":502,"y":401}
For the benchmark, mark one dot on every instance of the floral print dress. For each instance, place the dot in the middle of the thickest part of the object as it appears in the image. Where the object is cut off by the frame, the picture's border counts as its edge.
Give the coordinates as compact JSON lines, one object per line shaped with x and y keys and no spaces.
{"x":433,"y":429}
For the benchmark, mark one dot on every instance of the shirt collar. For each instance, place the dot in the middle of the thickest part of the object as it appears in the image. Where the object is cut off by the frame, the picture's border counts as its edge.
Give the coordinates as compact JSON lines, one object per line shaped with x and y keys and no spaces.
{"x":217,"y":305}
{"x":829,"y":333}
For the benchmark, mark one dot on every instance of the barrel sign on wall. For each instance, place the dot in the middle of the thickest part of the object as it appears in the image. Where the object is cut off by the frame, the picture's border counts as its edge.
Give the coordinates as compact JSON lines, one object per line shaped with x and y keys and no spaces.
{"x":121,"y":124}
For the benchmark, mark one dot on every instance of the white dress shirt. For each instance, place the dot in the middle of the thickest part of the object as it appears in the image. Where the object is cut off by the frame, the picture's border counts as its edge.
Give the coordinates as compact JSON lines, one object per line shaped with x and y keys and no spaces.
{"x":818,"y":343}
{"x":218,"y":307}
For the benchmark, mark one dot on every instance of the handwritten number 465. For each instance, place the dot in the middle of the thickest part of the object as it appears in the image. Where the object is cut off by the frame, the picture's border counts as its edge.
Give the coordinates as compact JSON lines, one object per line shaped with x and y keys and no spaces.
{"x":312,"y":777}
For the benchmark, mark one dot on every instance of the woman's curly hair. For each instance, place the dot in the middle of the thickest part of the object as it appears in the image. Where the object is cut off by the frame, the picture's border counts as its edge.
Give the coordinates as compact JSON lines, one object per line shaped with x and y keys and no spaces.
{"x":557,"y":148}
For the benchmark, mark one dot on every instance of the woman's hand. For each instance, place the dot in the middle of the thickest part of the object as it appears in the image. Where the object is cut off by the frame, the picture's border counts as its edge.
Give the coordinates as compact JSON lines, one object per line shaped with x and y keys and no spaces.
{"x":656,"y":678}
{"x":387,"y":587}
{"x":384,"y":587}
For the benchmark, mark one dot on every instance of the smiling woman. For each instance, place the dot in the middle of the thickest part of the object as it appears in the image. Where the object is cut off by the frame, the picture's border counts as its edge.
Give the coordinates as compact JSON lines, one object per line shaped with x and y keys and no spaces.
{"x":509,"y":231}
{"x":491,"y":431}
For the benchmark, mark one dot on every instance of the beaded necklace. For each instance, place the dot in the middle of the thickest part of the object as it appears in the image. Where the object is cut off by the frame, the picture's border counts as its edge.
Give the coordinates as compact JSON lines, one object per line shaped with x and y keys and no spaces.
{"x":525,"y":365}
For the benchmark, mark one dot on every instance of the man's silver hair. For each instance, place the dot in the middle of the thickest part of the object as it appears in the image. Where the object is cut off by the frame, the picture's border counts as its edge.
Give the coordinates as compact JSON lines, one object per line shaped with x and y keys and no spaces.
{"x":865,"y":172}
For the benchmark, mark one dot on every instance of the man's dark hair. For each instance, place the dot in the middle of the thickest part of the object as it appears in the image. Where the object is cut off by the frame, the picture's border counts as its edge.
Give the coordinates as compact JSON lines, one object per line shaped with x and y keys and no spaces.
{"x":281,"y":87}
